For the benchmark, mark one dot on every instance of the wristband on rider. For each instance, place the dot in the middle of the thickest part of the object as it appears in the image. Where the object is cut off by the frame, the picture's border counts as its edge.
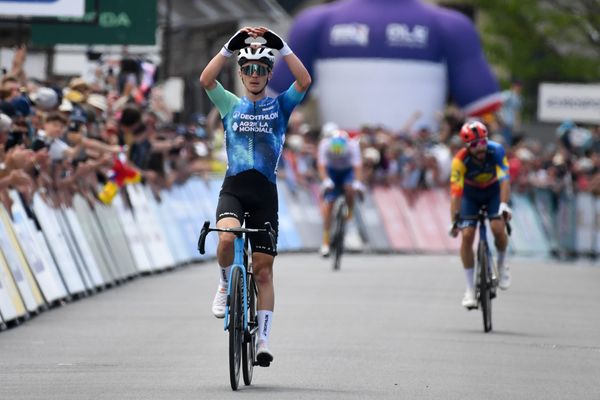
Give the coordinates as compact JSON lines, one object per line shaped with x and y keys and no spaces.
{"x":226,"y":53}
{"x":285,"y":50}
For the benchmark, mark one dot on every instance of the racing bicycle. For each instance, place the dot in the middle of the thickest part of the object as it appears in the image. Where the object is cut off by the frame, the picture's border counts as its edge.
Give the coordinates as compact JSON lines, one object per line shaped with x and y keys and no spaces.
{"x":240,"y":312}
{"x":486,"y":273}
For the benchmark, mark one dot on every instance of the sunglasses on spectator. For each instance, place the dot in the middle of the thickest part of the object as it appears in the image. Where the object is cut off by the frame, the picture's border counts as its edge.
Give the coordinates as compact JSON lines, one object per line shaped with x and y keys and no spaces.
{"x":477,"y":143}
{"x":260,"y":70}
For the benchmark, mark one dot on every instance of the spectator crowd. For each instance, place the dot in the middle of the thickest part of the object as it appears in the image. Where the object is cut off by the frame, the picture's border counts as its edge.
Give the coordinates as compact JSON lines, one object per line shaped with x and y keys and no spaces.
{"x":90,"y":137}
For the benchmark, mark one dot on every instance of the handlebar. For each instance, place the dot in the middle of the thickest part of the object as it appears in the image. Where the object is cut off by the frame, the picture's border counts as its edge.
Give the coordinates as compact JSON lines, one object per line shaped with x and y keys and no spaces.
{"x":238,"y":231}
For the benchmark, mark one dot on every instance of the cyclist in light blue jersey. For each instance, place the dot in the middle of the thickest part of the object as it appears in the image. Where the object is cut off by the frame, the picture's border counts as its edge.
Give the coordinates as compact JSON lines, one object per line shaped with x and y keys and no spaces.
{"x":255,"y":128}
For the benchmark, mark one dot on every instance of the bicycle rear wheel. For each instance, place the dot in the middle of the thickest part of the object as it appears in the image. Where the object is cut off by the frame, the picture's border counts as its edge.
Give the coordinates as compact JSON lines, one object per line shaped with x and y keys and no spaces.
{"x":485,"y":285}
{"x":249,"y":350}
{"x":338,"y":235}
{"x":236,"y":327}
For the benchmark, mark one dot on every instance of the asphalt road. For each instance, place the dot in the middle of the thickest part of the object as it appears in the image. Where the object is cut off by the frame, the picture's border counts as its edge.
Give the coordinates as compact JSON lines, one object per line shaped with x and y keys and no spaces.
{"x":384,"y":327}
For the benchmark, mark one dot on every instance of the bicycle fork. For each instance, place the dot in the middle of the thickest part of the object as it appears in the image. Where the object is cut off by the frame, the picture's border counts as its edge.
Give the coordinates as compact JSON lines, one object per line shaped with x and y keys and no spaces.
{"x":238,"y":262}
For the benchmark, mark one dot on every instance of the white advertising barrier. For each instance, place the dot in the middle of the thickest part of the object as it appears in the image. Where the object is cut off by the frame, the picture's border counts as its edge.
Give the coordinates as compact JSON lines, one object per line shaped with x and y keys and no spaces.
{"x":182,"y":214}
{"x":11,"y":303}
{"x":84,"y":247}
{"x":305,"y":213}
{"x":172,"y":234}
{"x":75,"y":253}
{"x":108,"y":221}
{"x":178,"y":216}
{"x":561,"y":101}
{"x":18,"y":265}
{"x":45,"y":271}
{"x":208,"y":204}
{"x":58,"y":246}
{"x":586,"y":223}
{"x":195,"y":220}
{"x":198,"y":213}
{"x":155,"y":241}
{"x":135,"y":238}
{"x":95,"y":236}
{"x":597,"y":232}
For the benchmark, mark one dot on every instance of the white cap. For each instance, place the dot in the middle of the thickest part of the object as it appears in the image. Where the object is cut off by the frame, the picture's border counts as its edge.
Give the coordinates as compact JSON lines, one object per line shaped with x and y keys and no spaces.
{"x":45,"y":98}
{"x":98,"y":101}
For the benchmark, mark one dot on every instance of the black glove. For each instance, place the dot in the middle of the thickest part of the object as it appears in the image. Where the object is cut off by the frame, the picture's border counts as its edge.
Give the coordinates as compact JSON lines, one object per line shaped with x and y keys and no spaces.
{"x":273,"y":41}
{"x":237,"y":41}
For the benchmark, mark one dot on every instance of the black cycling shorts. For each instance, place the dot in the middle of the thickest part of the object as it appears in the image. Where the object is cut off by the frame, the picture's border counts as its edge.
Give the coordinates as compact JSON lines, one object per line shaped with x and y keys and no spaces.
{"x":251,"y":192}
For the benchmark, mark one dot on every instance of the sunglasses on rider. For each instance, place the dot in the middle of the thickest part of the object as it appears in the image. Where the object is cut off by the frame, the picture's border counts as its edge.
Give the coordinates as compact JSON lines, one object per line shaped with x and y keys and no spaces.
{"x":477,"y":143}
{"x":260,"y":70}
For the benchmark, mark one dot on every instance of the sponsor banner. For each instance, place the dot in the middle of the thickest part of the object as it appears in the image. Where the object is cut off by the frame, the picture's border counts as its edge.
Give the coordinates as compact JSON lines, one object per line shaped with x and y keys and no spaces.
{"x":93,"y":234}
{"x":305,"y":215}
{"x":439,"y":205}
{"x":577,"y":102}
{"x":585,"y":223}
{"x":173,"y":234}
{"x":189,"y":226}
{"x":45,"y":271}
{"x":18,"y":265}
{"x":207,"y":204}
{"x":288,"y":236}
{"x":107,"y":219}
{"x":597,"y":229}
{"x":155,"y":242}
{"x":58,"y":246}
{"x":417,"y":215}
{"x":83,"y":247}
{"x":432,"y":218}
{"x":42,"y":8}
{"x":370,"y":224}
{"x":11,"y":303}
{"x":75,"y":252}
{"x":566,"y":223}
{"x":399,"y":236}
{"x":528,"y":236}
{"x":543,"y":203}
{"x":135,"y":238}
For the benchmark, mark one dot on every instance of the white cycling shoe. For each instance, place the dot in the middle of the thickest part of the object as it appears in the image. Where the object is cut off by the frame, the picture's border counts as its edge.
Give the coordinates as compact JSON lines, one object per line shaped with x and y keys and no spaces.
{"x":324,"y":250}
{"x":219,"y":302}
{"x":469,"y":301}
{"x":504,"y":282}
{"x":264,"y":357}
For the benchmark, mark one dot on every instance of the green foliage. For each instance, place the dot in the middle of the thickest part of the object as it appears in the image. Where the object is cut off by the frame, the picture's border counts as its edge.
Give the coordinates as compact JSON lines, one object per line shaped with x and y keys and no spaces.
{"x":542,"y":40}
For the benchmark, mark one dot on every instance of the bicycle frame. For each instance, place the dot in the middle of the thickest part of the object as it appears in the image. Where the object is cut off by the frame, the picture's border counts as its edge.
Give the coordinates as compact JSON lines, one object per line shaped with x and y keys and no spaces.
{"x":238,"y":262}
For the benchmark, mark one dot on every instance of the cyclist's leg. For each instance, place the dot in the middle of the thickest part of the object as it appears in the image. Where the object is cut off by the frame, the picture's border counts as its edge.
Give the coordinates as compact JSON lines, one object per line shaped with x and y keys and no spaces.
{"x":349,"y":191}
{"x":469,"y":208}
{"x":498,"y":227}
{"x":230,"y":214}
{"x":263,"y":208}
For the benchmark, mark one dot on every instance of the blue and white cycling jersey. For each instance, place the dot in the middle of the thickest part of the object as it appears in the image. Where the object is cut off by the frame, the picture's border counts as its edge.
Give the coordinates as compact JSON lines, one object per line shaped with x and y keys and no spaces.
{"x":254,"y":131}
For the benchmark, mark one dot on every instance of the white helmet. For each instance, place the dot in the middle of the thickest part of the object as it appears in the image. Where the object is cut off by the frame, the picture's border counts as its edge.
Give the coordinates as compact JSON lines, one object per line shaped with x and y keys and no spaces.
{"x":254,"y":53}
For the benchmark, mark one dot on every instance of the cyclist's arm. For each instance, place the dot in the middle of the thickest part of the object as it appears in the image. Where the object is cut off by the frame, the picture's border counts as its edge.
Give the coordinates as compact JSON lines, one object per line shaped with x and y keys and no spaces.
{"x":303,"y":79}
{"x":457,"y":184}
{"x":503,"y":175}
{"x":208,"y":77}
{"x":356,"y":160}
{"x":322,"y":159}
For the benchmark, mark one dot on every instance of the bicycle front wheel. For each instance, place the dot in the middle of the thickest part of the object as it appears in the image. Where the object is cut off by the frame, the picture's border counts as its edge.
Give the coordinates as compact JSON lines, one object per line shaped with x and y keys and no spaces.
{"x":236,"y":327}
{"x":485,"y":285}
{"x":338,"y":236}
{"x":249,"y":350}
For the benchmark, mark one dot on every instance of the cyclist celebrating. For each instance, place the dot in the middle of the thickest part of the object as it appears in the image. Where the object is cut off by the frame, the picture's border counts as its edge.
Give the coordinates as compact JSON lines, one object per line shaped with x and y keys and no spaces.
{"x":479,"y":177}
{"x":254,"y":134}
{"x":340,"y":169}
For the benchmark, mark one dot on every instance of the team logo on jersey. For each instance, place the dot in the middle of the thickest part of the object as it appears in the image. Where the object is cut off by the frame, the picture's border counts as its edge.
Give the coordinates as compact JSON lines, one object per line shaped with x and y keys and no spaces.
{"x":349,"y":35}
{"x":401,"y":35}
